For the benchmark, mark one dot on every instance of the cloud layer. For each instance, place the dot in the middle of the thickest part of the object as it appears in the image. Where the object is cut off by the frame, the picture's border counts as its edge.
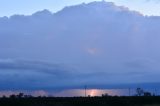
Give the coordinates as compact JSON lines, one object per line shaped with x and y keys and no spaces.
{"x":95,"y":43}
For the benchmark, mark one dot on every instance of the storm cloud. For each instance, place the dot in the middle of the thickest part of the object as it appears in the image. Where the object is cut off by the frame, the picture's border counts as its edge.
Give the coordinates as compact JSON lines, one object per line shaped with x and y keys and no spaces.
{"x":95,"y":43}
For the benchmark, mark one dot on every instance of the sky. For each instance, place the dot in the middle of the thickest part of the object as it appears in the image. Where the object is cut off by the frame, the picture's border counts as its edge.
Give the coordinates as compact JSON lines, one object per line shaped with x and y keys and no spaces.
{"x":80,"y":45}
{"x":27,"y":7}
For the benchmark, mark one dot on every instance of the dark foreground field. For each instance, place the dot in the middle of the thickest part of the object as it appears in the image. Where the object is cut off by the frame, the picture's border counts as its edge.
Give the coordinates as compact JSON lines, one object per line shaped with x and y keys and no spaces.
{"x":81,"y":101}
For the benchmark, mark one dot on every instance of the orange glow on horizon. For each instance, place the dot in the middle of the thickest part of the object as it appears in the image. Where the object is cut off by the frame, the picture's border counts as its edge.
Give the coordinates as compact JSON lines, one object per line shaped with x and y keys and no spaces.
{"x":98,"y":92}
{"x":92,"y":92}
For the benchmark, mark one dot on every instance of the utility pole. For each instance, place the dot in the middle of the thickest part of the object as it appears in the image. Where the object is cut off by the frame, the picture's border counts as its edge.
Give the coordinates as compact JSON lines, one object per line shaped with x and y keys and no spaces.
{"x":156,"y":92}
{"x":129,"y":91}
{"x":85,"y":91}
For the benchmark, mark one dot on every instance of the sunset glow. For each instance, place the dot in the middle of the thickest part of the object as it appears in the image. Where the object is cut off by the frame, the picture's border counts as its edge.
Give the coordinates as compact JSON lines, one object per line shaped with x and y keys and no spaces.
{"x":70,"y":92}
{"x":93,"y":92}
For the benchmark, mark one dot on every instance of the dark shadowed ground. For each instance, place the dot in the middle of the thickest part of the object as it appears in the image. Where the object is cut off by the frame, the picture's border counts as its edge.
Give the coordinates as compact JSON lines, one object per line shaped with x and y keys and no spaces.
{"x":82,"y":101}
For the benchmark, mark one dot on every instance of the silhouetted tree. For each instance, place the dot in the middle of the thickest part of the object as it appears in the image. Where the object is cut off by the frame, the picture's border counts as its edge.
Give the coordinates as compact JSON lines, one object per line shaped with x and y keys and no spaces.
{"x":147,"y":94}
{"x":20,"y":95}
{"x":105,"y":95}
{"x":12,"y":96}
{"x":140,"y":92}
{"x":3,"y":96}
{"x":27,"y":96}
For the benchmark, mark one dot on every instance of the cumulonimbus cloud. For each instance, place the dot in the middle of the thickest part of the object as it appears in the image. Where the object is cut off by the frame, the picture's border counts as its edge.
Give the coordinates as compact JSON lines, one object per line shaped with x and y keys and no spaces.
{"x":100,"y":42}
